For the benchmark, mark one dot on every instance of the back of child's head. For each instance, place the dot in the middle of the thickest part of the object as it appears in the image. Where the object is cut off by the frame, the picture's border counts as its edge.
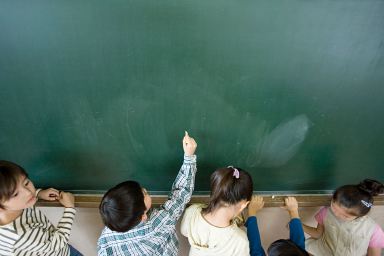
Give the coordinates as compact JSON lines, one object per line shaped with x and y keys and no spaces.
{"x":283,"y":247}
{"x":122,"y":206}
{"x":9,"y":178}
{"x":358,"y":198}
{"x":228,"y":187}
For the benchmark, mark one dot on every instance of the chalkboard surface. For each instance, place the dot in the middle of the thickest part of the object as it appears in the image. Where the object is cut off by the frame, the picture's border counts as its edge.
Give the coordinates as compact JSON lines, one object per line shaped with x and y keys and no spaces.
{"x":95,"y":92}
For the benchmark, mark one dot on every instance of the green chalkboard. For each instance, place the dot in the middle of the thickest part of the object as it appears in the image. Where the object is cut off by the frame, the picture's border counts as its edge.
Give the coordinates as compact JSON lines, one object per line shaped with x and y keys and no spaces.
{"x":95,"y":92}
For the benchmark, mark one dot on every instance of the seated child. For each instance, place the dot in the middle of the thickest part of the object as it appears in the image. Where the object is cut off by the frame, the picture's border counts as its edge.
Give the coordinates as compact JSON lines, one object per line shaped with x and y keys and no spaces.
{"x":344,"y":228}
{"x":24,"y":230}
{"x":294,"y":246}
{"x":130,"y":229}
{"x":211,"y":229}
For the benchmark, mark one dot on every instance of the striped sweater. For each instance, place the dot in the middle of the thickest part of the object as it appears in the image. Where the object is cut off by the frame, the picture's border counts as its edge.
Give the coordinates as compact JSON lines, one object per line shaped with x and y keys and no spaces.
{"x":32,"y":234}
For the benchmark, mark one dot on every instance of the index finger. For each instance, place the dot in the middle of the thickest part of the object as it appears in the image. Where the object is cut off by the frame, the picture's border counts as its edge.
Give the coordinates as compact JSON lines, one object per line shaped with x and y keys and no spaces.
{"x":186,"y":137}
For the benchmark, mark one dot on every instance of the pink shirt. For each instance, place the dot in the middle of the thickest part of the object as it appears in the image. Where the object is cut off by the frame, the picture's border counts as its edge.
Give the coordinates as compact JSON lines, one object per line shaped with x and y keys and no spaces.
{"x":377,"y":239}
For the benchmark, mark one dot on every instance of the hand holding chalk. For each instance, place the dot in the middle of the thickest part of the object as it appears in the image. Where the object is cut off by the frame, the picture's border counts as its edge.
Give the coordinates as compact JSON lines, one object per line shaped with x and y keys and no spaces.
{"x":49,"y":194}
{"x":189,"y":145}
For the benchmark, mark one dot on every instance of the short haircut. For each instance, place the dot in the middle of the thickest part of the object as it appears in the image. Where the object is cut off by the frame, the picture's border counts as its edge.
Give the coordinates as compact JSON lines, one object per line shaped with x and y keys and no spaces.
{"x":358,"y":198}
{"x":122,"y":206}
{"x":226,"y":188}
{"x":9,"y":177}
{"x":285,"y":247}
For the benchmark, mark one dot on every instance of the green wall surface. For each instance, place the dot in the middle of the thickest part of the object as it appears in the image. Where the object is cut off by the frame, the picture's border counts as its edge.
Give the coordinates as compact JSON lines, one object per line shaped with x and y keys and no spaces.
{"x":97,"y":92}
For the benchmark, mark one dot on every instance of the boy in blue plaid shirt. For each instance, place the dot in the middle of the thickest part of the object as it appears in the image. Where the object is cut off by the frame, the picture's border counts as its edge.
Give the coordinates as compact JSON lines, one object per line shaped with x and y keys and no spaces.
{"x":123,"y":209}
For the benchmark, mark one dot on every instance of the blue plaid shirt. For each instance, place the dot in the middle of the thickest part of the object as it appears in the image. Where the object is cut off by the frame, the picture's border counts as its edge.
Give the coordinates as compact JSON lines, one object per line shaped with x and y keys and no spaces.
{"x":156,"y":236}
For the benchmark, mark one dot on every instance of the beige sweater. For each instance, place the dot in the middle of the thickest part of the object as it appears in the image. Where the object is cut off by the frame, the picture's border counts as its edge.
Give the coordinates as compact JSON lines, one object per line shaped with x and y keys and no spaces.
{"x":208,"y":240}
{"x":344,"y":238}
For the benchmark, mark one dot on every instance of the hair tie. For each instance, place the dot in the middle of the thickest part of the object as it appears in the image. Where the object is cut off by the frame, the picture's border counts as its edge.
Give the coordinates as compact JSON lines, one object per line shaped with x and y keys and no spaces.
{"x":368,"y":205}
{"x":236,"y":172}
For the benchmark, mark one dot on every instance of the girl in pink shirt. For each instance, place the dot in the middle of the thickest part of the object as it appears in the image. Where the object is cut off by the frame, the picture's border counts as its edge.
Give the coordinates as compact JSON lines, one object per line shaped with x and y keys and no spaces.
{"x":344,"y":228}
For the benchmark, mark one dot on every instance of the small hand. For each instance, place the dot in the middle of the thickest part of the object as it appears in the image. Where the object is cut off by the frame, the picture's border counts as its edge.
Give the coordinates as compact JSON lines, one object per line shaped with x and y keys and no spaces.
{"x":67,"y":199}
{"x":49,"y":194}
{"x":291,"y":206}
{"x":256,"y":204}
{"x":189,"y":145}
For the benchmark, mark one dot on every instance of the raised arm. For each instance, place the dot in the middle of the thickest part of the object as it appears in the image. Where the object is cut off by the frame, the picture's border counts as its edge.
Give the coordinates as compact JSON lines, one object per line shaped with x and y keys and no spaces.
{"x":184,"y":183}
{"x":253,"y":233}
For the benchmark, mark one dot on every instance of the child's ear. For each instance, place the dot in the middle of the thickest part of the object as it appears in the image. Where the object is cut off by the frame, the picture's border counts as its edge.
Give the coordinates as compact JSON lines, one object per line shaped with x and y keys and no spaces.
{"x":244,"y":205}
{"x":144,"y":217}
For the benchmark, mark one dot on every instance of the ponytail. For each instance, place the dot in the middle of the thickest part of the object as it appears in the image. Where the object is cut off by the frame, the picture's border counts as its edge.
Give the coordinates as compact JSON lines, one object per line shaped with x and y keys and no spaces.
{"x":229,"y":186}
{"x":372,"y":187}
{"x":358,"y":198}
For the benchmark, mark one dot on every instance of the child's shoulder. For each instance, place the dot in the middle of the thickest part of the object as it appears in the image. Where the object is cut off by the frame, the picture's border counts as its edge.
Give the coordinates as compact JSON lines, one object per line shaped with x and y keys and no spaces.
{"x":240,"y":235}
{"x":369,"y":221}
{"x":321,"y":214}
{"x":323,"y":211}
{"x":31,"y":211}
{"x":193,"y":211}
{"x":195,"y":207}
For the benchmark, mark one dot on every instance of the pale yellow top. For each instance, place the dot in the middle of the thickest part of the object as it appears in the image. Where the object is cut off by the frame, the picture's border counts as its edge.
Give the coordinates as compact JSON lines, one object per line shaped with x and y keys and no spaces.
{"x":344,"y":238}
{"x":208,"y":240}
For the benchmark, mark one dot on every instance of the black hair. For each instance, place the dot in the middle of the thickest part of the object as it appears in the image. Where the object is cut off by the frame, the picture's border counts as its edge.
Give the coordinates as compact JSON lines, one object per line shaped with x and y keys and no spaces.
{"x":122,"y":206}
{"x":285,"y":247}
{"x":358,"y":198}
{"x":228,"y":188}
{"x":9,"y":177}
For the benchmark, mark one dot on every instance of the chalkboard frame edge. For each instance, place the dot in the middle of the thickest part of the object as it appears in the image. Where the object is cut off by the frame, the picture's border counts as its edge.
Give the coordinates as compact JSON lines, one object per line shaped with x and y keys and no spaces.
{"x":93,"y":201}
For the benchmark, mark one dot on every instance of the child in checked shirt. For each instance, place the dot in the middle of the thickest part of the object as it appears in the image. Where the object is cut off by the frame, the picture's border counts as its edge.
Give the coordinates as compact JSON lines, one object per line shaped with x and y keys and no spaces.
{"x":129,"y":230}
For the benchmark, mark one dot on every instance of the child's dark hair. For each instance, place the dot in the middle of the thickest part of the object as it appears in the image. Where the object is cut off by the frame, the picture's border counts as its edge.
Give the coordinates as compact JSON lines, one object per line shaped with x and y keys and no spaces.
{"x":229,"y":186}
{"x":9,"y":177}
{"x":358,"y":198}
{"x":123,"y":206}
{"x":283,"y":247}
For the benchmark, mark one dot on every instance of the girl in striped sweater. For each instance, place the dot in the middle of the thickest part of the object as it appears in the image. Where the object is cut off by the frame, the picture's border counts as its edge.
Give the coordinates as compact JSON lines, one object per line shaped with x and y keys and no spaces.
{"x":24,"y":230}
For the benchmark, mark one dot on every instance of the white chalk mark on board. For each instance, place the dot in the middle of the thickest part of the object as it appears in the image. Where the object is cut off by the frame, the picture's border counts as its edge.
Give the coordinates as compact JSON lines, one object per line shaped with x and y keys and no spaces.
{"x":281,"y":144}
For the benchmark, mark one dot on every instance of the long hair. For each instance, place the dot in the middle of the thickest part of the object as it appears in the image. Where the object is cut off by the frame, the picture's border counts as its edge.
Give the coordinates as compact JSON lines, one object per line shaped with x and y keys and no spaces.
{"x":229,"y":186}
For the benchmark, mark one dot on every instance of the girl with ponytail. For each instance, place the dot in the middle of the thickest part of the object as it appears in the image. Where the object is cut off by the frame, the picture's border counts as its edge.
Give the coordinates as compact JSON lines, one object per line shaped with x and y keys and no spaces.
{"x":344,"y":228}
{"x":211,"y":229}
